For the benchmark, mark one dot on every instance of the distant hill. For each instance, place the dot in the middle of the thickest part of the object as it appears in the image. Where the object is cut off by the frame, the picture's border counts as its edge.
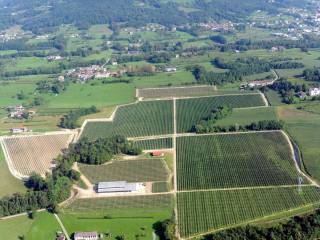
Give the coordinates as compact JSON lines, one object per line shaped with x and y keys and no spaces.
{"x":43,"y":15}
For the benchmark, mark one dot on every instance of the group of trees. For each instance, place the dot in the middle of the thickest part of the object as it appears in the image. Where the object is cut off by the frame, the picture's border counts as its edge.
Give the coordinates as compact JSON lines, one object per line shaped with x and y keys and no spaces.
{"x":312,"y":74}
{"x":42,"y":193}
{"x":216,"y":114}
{"x":70,"y":119}
{"x":55,"y":87}
{"x":205,"y":127}
{"x":304,"y":227}
{"x":238,"y":69}
{"x":100,"y":151}
{"x":287,"y":90}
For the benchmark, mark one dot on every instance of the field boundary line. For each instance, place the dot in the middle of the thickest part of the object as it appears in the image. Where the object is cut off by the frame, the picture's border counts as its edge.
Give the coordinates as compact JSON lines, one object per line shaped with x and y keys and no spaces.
{"x":154,"y":137}
{"x":244,"y":188}
{"x":266,"y":102}
{"x":294,"y":157}
{"x":249,"y":221}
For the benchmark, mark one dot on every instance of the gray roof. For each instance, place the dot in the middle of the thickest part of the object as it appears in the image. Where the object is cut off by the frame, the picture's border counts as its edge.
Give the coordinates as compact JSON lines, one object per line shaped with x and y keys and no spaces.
{"x":117,"y":186}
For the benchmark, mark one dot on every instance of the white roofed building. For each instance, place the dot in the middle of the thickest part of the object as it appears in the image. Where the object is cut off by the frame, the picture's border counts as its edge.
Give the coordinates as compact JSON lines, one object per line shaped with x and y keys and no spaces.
{"x":314,"y":92}
{"x":119,"y":187}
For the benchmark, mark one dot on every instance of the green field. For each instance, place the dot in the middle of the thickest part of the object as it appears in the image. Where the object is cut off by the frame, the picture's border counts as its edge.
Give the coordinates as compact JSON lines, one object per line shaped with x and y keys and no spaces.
{"x":141,"y":119}
{"x":159,"y":187}
{"x":151,"y":144}
{"x":234,"y":160}
{"x":8,"y":183}
{"x":274,"y":98}
{"x":44,"y":226}
{"x":104,"y":205}
{"x":192,"y":111}
{"x":304,"y":127}
{"x":200,"y":212}
{"x":148,"y":170}
{"x":247,"y":116}
{"x":126,"y":222}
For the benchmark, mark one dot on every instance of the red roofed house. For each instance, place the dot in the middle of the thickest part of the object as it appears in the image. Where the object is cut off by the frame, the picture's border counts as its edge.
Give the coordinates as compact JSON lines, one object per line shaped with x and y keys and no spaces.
{"x":157,"y":154}
{"x":86,"y":236}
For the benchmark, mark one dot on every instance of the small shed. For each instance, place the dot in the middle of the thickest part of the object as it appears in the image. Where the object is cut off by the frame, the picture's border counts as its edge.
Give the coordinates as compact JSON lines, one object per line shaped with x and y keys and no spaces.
{"x":157,"y":154}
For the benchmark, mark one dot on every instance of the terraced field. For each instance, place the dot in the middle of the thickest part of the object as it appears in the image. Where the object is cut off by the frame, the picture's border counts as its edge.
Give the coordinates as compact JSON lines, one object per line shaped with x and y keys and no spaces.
{"x":146,"y":170}
{"x":200,"y":212}
{"x":29,"y":154}
{"x":141,"y":119}
{"x":192,"y":111}
{"x":151,"y":144}
{"x":236,"y":160}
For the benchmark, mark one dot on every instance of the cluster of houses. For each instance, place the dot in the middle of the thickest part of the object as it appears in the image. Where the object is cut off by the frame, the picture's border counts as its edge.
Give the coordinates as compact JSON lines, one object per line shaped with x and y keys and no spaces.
{"x":85,"y":74}
{"x":260,"y":83}
{"x":19,"y":112}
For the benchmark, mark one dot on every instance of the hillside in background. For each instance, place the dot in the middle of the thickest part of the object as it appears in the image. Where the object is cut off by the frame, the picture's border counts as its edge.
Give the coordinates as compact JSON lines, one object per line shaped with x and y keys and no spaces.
{"x":42,"y":15}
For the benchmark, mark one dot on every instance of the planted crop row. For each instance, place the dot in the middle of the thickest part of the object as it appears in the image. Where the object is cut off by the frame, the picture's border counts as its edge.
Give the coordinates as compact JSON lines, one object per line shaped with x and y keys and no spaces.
{"x":200,"y":212}
{"x":237,"y":160}
{"x":192,"y":111}
{"x":148,"y":170}
{"x":177,"y":92}
{"x":141,"y":119}
{"x":160,"y":143}
{"x":110,"y":203}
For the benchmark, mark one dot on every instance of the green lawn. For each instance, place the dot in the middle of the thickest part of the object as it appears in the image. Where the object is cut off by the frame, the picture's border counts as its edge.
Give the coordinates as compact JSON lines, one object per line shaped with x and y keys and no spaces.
{"x":8,"y":183}
{"x":44,"y":226}
{"x":127,"y":222}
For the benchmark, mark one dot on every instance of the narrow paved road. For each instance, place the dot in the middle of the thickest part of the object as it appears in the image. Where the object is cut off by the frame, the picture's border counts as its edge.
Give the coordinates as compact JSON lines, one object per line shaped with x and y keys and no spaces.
{"x":62,"y":227}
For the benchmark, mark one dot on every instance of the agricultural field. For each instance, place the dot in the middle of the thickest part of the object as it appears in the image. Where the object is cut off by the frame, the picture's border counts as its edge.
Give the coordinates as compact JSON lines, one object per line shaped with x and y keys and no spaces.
{"x":303,"y":126}
{"x":192,"y":111}
{"x":145,"y":170}
{"x":234,"y":160}
{"x":28,"y":154}
{"x":104,"y":205}
{"x":140,"y":119}
{"x":8,"y":183}
{"x":43,"y":226}
{"x":214,"y":210}
{"x":176,"y":92}
{"x":153,"y":144}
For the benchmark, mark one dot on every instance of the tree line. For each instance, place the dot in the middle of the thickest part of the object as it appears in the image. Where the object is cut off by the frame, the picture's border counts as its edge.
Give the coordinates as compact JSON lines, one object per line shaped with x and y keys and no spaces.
{"x":70,"y":119}
{"x":299,"y":227}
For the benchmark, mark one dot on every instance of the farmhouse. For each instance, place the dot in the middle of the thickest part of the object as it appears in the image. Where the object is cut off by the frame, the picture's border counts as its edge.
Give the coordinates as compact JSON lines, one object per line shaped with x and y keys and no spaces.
{"x":119,"y":187}
{"x":86,"y":236}
{"x":314,"y":92}
{"x":19,"y":130}
{"x":260,"y":83}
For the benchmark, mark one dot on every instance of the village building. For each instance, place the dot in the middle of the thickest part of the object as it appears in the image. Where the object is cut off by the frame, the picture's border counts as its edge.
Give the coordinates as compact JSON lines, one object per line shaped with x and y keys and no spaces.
{"x":119,"y":187}
{"x":19,"y":130}
{"x":260,"y":83}
{"x":157,"y":154}
{"x":86,"y":236}
{"x":314,"y":92}
{"x":54,"y":58}
{"x":103,"y":74}
{"x":170,"y":69}
{"x":302,"y":95}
